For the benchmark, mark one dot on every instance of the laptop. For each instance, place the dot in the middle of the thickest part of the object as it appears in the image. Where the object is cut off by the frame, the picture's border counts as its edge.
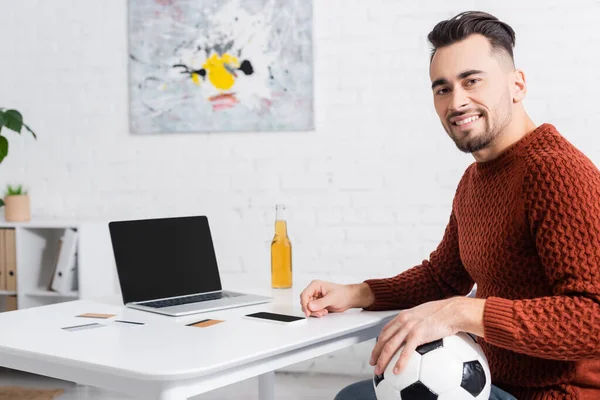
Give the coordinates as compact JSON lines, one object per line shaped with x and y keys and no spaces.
{"x":168,"y":266}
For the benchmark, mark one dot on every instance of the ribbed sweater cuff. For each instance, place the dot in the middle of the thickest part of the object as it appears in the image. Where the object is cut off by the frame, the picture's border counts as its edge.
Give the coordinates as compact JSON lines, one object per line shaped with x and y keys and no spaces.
{"x":381,"y":291}
{"x":498,"y":322}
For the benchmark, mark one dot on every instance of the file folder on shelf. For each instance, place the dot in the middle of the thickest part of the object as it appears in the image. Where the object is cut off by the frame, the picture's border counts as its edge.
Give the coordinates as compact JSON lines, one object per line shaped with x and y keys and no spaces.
{"x":2,"y":261}
{"x":66,"y":264}
{"x":10,"y":244}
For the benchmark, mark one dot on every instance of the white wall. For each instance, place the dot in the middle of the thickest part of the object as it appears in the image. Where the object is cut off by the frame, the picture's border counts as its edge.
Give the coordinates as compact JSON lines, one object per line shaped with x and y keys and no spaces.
{"x":369,"y":191}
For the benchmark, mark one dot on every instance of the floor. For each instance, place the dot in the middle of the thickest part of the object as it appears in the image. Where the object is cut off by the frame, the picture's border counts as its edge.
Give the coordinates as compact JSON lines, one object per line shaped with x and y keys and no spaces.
{"x":289,"y":386}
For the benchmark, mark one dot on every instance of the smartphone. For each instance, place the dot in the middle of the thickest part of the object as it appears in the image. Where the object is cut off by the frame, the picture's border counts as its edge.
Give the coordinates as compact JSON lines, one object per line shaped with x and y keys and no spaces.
{"x":278,"y":318}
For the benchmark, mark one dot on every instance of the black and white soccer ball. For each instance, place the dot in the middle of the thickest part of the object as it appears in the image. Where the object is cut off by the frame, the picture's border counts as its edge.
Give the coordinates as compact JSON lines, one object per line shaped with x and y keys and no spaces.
{"x":452,"y":368}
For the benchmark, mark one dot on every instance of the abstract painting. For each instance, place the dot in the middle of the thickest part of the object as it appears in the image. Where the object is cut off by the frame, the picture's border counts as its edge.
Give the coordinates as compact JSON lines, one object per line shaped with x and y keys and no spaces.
{"x":220,"y":65}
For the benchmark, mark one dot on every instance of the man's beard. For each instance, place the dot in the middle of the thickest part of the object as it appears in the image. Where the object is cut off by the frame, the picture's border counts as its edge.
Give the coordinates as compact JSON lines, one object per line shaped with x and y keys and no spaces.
{"x":469,"y":143}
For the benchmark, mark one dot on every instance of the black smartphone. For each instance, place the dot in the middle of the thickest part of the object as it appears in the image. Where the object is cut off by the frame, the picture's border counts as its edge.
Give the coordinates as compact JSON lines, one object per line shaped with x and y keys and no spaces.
{"x":274,"y":317}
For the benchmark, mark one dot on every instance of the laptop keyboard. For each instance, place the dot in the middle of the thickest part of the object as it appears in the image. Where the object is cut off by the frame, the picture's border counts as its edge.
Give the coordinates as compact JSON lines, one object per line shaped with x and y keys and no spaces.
{"x":191,"y":299}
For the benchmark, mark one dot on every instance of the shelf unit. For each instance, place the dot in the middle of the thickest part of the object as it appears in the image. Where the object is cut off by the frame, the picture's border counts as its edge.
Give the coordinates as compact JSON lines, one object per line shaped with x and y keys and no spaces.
{"x":37,"y":244}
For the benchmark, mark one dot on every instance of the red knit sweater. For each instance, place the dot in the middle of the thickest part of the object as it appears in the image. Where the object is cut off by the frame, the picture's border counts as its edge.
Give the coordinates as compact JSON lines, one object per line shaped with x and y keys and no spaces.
{"x":526,"y":228}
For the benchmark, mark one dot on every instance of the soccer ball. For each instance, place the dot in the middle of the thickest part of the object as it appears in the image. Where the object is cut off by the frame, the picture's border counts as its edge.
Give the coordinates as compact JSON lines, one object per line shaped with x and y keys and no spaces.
{"x":452,"y":368}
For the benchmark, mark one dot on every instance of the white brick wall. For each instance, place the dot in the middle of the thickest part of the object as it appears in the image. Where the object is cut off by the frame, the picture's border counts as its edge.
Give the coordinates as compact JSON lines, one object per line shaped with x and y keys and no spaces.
{"x":368,"y":192}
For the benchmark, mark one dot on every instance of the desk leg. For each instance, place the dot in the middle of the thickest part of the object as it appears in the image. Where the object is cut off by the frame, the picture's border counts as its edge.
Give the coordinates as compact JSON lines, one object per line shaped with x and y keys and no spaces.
{"x":266,"y":386}
{"x":171,"y":394}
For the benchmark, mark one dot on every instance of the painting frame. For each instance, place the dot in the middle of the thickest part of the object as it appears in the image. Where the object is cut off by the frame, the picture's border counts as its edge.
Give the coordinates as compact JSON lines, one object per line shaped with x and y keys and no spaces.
{"x":220,"y":66}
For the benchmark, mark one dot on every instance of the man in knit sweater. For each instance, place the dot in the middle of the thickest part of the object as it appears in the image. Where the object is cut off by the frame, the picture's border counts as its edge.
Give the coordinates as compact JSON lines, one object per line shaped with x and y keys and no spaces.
{"x":524,"y":227}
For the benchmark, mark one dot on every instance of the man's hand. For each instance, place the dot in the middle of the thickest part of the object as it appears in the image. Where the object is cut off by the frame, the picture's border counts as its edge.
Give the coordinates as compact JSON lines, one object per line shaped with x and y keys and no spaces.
{"x":423,"y":324}
{"x":320,"y":298}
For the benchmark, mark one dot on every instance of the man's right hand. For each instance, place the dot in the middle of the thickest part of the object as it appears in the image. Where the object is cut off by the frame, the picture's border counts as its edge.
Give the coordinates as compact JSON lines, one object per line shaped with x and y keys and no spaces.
{"x":320,"y":297}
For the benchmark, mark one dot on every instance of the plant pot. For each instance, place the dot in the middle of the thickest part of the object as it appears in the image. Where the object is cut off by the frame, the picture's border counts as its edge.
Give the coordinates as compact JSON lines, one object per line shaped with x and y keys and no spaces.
{"x":17,"y":208}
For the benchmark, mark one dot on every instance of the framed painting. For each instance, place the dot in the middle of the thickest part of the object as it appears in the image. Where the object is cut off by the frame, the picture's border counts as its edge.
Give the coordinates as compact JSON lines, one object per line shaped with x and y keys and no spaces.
{"x":220,"y":65}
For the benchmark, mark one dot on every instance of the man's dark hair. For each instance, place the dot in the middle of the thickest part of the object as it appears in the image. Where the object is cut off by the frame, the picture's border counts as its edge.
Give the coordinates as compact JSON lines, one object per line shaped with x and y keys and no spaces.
{"x":455,"y":29}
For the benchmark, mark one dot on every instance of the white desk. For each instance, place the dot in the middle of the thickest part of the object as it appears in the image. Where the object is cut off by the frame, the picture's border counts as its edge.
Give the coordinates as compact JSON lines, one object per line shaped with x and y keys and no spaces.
{"x":167,"y":360}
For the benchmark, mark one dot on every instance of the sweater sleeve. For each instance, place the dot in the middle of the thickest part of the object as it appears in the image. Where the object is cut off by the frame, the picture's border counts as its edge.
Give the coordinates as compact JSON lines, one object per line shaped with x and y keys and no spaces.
{"x":442,"y":276}
{"x":562,"y":202}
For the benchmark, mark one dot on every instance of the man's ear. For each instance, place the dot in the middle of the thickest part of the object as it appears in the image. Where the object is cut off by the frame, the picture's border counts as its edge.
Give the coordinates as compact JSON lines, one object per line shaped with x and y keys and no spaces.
{"x":519,"y":86}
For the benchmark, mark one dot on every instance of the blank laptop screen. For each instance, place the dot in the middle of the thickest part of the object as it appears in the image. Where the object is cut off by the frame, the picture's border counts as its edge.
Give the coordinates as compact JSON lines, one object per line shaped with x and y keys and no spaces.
{"x":168,"y":257}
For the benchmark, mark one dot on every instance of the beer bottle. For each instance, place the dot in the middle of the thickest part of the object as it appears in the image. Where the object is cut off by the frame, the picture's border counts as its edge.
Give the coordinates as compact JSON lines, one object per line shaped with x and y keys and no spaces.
{"x":281,"y":252}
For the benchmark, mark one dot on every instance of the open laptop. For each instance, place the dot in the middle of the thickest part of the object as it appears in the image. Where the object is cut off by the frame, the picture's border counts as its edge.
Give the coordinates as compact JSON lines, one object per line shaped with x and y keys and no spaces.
{"x":168,"y":266}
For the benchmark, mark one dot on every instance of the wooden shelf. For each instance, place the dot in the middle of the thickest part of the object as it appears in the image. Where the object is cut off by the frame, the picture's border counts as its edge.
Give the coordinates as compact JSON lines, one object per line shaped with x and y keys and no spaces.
{"x":49,"y":293}
{"x":7,"y":293}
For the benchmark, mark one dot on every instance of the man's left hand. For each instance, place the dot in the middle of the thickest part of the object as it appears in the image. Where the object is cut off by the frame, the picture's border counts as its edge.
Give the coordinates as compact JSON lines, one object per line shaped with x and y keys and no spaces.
{"x":423,"y":324}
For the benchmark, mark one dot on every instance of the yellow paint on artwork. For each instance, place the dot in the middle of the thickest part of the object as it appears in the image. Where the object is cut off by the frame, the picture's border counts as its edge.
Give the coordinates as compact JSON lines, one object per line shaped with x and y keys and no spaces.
{"x":196,"y":78}
{"x":218,"y":75}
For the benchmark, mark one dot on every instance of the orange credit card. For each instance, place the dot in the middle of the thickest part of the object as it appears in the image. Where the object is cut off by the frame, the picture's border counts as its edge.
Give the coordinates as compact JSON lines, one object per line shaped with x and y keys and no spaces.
{"x":205,"y":323}
{"x":94,"y":315}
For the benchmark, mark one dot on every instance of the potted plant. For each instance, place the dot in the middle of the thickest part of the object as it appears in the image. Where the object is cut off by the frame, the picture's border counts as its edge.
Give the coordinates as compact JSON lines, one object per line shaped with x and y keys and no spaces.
{"x":16,"y":202}
{"x":19,"y":202}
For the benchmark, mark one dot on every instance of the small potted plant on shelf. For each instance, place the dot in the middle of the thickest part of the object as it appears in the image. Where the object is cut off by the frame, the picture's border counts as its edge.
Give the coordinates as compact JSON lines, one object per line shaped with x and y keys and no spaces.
{"x":17,"y":205}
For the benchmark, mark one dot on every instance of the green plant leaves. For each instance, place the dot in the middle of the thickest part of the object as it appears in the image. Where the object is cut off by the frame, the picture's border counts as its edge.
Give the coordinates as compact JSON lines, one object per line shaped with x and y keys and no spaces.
{"x":1,"y":203}
{"x":29,"y":129}
{"x":3,"y":148}
{"x":13,"y":120}
{"x":15,"y":190}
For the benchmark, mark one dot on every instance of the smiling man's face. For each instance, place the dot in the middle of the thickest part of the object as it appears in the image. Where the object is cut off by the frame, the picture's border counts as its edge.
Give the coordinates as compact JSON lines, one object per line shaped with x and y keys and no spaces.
{"x":471,"y":92}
